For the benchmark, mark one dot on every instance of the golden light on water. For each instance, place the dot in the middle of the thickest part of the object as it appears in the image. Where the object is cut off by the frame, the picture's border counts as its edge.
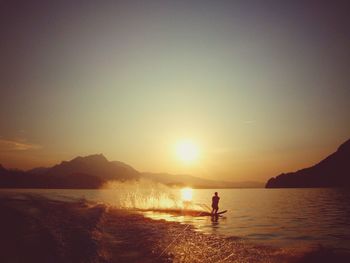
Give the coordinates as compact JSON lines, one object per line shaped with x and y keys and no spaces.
{"x":187,"y":150}
{"x":186,"y":194}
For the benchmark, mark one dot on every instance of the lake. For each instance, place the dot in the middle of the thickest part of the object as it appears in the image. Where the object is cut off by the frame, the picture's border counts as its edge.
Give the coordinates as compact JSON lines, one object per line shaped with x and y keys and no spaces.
{"x":280,"y":217}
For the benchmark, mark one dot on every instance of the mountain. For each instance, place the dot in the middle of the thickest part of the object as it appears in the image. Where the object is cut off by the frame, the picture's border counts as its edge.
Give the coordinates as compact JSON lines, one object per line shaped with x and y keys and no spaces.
{"x":38,"y":170}
{"x":94,"y":170}
{"x":189,"y":180}
{"x":82,"y":172}
{"x":179,"y":180}
{"x":2,"y":170}
{"x":96,"y":165}
{"x":333,"y":171}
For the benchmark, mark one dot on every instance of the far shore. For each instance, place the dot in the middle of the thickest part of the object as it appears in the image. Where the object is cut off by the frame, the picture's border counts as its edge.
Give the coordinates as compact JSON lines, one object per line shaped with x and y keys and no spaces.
{"x":36,"y":229}
{"x":174,"y":186}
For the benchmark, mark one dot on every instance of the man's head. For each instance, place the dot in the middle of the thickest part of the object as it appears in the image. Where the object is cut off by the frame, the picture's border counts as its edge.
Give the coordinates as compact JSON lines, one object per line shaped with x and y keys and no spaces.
{"x":216,"y":193}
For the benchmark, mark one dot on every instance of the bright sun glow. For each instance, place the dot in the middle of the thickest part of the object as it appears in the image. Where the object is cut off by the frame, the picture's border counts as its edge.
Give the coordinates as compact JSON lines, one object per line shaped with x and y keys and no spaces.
{"x":187,"y":150}
{"x":186,"y":194}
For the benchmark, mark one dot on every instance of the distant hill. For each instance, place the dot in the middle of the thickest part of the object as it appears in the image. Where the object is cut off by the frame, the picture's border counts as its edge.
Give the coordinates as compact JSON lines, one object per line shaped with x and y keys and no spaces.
{"x":197,"y":182}
{"x":82,"y":172}
{"x":96,"y":165}
{"x":333,"y":171}
{"x":94,"y":170}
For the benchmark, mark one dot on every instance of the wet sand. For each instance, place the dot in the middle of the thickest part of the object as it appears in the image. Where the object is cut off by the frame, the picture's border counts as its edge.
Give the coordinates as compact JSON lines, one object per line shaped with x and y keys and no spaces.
{"x":35,"y":229}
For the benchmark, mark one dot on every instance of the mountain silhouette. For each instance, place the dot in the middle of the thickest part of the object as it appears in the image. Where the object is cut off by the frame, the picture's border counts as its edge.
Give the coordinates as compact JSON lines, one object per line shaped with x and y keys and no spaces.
{"x":82,"y":172}
{"x":2,"y":170}
{"x":333,"y":171}
{"x":94,"y":170}
{"x":96,"y":165}
{"x":189,"y":180}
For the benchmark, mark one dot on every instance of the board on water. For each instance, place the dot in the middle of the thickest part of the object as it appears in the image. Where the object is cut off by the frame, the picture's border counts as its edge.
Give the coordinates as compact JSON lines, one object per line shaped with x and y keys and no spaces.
{"x":210,"y":214}
{"x":222,"y":212}
{"x":183,"y":212}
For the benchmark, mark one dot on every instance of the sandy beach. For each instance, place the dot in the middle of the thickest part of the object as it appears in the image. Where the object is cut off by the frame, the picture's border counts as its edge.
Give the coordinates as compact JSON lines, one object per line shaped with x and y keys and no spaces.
{"x":35,"y":229}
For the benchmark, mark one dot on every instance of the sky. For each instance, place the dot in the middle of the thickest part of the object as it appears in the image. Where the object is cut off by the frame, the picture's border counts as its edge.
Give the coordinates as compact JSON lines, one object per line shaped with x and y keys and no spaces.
{"x":259,"y":87}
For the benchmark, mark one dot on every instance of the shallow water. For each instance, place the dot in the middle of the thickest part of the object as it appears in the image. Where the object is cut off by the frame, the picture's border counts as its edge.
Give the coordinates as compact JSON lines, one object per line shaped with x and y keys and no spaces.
{"x":281,"y":217}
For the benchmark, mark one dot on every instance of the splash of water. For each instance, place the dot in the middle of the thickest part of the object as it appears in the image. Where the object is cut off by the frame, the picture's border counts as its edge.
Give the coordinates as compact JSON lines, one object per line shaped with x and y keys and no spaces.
{"x":148,"y":195}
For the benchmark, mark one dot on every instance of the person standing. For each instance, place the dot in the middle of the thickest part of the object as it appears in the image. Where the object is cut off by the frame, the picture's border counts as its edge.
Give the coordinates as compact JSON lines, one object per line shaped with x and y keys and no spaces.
{"x":215,"y":203}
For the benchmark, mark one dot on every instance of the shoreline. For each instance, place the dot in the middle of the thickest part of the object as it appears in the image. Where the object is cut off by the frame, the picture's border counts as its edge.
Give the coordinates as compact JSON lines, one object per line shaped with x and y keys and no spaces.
{"x":36,"y":229}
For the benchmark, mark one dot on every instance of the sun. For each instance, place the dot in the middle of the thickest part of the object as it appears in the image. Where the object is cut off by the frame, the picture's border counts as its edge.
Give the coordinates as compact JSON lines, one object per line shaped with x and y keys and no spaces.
{"x":187,"y":150}
{"x":186,"y":194}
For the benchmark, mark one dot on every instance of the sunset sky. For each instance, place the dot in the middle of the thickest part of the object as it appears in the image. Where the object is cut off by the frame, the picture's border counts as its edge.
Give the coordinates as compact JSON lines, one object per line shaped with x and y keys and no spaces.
{"x":259,"y":87}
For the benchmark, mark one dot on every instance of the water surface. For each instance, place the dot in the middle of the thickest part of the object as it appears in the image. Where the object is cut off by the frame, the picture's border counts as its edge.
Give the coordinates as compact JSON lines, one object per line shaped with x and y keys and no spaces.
{"x":281,"y":217}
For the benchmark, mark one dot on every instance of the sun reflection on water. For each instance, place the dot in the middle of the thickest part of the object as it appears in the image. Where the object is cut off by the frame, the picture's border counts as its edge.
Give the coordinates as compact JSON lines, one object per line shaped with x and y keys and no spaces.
{"x":186,"y":194}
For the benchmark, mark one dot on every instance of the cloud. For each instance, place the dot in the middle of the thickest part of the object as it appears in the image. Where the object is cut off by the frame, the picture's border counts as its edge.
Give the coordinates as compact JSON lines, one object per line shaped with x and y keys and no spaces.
{"x":13,"y":145}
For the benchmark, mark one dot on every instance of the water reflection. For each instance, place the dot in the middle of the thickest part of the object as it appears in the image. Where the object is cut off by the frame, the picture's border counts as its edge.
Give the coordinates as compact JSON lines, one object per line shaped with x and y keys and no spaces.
{"x":215,"y":222}
{"x":283,"y":216}
{"x":214,"y":218}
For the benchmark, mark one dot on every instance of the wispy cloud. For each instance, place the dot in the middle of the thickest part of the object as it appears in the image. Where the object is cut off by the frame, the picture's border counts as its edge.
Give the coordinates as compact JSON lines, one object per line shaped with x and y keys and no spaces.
{"x":14,"y":145}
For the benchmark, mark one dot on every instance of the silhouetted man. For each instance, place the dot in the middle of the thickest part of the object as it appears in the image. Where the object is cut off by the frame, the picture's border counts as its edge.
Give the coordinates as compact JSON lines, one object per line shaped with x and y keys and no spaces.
{"x":215,"y":203}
